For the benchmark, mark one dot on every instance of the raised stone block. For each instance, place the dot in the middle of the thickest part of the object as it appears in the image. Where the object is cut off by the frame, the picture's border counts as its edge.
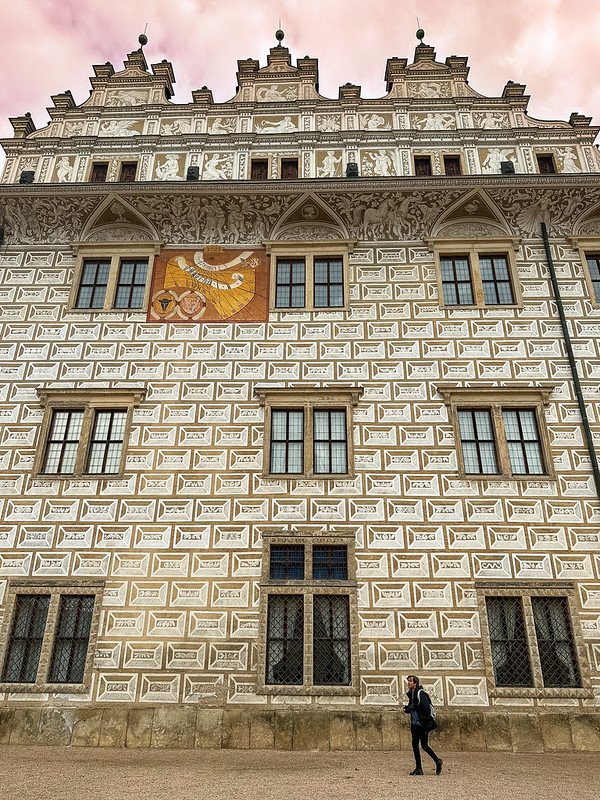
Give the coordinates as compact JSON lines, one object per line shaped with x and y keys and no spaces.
{"x":585,"y":729}
{"x":25,"y":725}
{"x":236,"y":729}
{"x":262,"y":730}
{"x":6,"y":718}
{"x":447,"y":733}
{"x":341,"y":731}
{"x":497,"y":731}
{"x":284,"y":729}
{"x":556,"y":732}
{"x":56,"y":725}
{"x":139,"y":727}
{"x":311,"y":730}
{"x":525,"y":733}
{"x":86,"y":727}
{"x":174,"y":727}
{"x":209,"y":723}
{"x":472,"y":732}
{"x":367,"y":728}
{"x":113,"y":731}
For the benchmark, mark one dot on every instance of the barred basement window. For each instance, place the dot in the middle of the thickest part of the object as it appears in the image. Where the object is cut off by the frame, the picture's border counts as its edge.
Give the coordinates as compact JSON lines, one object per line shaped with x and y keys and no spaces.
{"x":48,"y":637}
{"x":532,"y":643}
{"x":308,"y":613}
{"x":84,"y":432}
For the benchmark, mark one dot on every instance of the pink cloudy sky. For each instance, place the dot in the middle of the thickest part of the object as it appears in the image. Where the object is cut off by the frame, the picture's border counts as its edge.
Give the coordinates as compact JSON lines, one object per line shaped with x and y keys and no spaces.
{"x":551,"y":45}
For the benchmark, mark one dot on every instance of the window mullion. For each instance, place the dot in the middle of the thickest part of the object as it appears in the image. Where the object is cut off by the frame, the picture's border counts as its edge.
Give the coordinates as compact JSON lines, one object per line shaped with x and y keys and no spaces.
{"x":309,"y":277}
{"x":500,"y":437}
{"x":476,"y":278}
{"x":308,"y":638}
{"x":84,"y":441}
{"x":111,"y":288}
{"x":48,"y":640}
{"x":534,"y":656}
{"x":309,"y":445}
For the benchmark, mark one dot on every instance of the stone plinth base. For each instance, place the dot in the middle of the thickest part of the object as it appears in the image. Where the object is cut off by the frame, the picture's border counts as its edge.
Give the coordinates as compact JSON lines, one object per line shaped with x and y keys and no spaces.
{"x":189,"y":726}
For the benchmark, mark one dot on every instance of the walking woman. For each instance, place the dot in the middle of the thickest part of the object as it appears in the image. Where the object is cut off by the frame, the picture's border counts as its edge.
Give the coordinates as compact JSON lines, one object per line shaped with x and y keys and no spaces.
{"x":422,"y":722}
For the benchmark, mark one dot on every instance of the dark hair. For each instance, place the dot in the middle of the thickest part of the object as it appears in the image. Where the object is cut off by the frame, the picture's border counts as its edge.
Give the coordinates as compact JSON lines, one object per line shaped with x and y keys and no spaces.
{"x":415,"y":679}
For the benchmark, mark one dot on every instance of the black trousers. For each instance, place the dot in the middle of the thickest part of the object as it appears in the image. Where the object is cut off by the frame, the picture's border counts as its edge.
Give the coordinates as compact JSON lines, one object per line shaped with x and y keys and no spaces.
{"x":419,"y":736}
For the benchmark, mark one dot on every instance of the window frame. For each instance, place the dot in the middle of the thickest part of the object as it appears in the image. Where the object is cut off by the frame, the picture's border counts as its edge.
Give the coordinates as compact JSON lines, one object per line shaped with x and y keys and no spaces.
{"x":56,"y":588}
{"x":423,"y":157}
{"x":546,"y":155}
{"x":128,"y":164}
{"x":457,"y":157}
{"x":90,"y":401}
{"x":587,"y":246}
{"x":309,"y":398}
{"x":116,"y":253}
{"x":496,"y":399}
{"x":309,"y":251}
{"x":308,"y":587}
{"x":288,"y":160}
{"x":527,"y":591}
{"x":471,"y":249}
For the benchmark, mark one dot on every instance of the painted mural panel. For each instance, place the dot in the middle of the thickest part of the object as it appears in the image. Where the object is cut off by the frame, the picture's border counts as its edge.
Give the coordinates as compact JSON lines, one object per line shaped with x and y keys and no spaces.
{"x":212,"y":284}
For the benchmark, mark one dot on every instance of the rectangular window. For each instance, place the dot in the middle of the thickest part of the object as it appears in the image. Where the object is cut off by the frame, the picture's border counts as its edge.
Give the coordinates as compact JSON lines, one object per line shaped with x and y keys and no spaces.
{"x":495,"y":277}
{"x":285,"y":639}
{"x":99,"y":172}
{"x":477,"y":441}
{"x":106,"y":443}
{"x":456,"y":280}
{"x":287,"y":442}
{"x":93,"y":283}
{"x":546,"y":164}
{"x":290,"y":289}
{"x":422,"y":165}
{"x":330,"y":562}
{"x":331,"y":640}
{"x":523,"y":440}
{"x":259,"y":169}
{"x":131,"y":286}
{"x":329,"y":442}
{"x":71,"y":639}
{"x":593,"y":262}
{"x":328,"y":283}
{"x":289,"y":169}
{"x":128,"y":171}
{"x":47,"y":633}
{"x":287,"y":562}
{"x":508,"y":641}
{"x":452,"y":165}
{"x":501,"y":431}
{"x":555,"y":642}
{"x":26,"y":637}
{"x":63,"y":442}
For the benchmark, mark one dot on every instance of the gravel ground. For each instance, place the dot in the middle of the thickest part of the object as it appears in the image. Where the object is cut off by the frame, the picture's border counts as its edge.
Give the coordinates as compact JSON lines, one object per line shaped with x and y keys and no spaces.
{"x":61,"y":773}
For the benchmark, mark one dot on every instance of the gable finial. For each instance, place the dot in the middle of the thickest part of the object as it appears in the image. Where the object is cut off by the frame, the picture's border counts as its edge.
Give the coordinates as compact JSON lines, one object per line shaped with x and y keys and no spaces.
{"x":142,"y":38}
{"x":279,"y":34}
{"x":420,"y":32}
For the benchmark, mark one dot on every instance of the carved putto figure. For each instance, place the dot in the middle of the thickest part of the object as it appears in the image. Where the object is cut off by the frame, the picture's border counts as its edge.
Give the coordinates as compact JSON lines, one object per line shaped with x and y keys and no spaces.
{"x":64,"y":170}
{"x":126,"y":98}
{"x":375,"y":122}
{"x":270,"y":94}
{"x":176,"y":127}
{"x":284,"y":126}
{"x":569,"y":160}
{"x":429,"y":89}
{"x":220,"y":127}
{"x":495,"y":157}
{"x":329,"y":167}
{"x":490,"y":120}
{"x":378,"y":163}
{"x":168,"y":170}
{"x":436,"y":122}
{"x":118,"y":127}
{"x":217,"y":168}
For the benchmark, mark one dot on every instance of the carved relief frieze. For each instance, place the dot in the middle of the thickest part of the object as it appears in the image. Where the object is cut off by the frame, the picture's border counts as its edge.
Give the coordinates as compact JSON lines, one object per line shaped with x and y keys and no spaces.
{"x":121,"y":127}
{"x":525,"y":209}
{"x":491,"y":120}
{"x":169,"y":167}
{"x":433,"y":121}
{"x":329,"y":163}
{"x":175,"y":127}
{"x":379,"y":163}
{"x":217,"y":167}
{"x":376,"y":122}
{"x":118,"y":98}
{"x":287,"y":123}
{"x":328,"y":123}
{"x":218,"y":126}
{"x":53,"y":220}
{"x":429,"y":89}
{"x":276,"y":93}
{"x":492,"y":158}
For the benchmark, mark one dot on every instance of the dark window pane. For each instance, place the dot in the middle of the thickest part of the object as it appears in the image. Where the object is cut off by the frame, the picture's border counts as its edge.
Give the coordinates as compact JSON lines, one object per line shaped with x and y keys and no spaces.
{"x":107,"y":442}
{"x":456,"y":280}
{"x":330,"y":562}
{"x":497,"y":288}
{"x":593,"y":262}
{"x":287,"y":562}
{"x":331,"y":640}
{"x":287,"y":441}
{"x":72,"y":639}
{"x":478,"y":444}
{"x":290,"y":283}
{"x":99,"y":173}
{"x":330,"y":442}
{"x":546,"y":165}
{"x":259,"y":170}
{"x":452,"y":165}
{"x":524,"y":444}
{"x":510,"y":655}
{"x":285,"y":640}
{"x":422,"y":165}
{"x":132,"y":284}
{"x":63,"y":441}
{"x":25,"y":639}
{"x":329,"y":283}
{"x":555,"y":642}
{"x":92,"y":287}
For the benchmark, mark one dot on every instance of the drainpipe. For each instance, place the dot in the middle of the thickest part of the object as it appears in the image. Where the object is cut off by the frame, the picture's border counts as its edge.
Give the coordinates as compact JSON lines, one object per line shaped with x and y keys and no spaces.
{"x":572,"y":363}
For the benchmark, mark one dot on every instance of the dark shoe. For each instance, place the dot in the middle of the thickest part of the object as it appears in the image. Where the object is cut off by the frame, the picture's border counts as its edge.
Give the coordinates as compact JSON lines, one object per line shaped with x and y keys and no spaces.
{"x":438,"y":766}
{"x":417,"y":771}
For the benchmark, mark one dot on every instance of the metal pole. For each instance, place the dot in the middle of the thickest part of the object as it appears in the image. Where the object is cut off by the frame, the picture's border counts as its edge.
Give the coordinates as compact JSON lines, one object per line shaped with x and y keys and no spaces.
{"x":572,"y":363}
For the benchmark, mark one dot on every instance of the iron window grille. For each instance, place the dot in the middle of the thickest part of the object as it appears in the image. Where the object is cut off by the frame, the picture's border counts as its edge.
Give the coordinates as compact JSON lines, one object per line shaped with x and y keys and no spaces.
{"x":330,"y":562}
{"x":48,"y":637}
{"x":286,"y":562}
{"x":131,"y":286}
{"x":331,"y":640}
{"x":285,"y":640}
{"x":555,"y":642}
{"x":508,"y":640}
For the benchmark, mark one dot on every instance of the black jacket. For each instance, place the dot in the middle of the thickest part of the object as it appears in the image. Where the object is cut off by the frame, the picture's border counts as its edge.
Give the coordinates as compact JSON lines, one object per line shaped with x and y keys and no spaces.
{"x":421,"y":703}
